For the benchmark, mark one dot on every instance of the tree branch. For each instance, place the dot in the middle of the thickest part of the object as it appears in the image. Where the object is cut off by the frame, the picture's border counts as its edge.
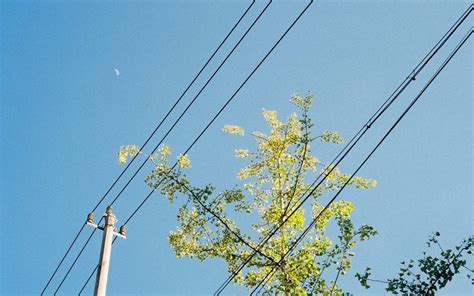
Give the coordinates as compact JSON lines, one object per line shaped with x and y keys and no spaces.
{"x":377,"y":281}
{"x":447,"y":267}
{"x":346,"y":246}
{"x":197,"y":199}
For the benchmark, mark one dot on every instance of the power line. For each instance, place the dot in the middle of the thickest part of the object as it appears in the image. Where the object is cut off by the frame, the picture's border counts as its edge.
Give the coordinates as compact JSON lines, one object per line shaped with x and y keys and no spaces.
{"x":215,"y":117}
{"x":219,"y":112}
{"x":189,"y":148}
{"x":175,"y":123}
{"x":313,"y":222}
{"x":349,"y":146}
{"x":149,"y":138}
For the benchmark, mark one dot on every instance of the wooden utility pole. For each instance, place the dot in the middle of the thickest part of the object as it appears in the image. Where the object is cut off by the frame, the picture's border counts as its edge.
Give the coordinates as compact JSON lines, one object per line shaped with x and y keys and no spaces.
{"x":106,"y":248}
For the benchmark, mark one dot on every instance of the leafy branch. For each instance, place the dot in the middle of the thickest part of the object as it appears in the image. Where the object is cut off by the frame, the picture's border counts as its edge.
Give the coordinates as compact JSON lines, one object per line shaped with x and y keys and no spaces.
{"x":434,"y":273}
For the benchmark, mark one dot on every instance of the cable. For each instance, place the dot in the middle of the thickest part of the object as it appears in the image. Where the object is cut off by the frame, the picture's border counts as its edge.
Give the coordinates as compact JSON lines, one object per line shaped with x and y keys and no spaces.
{"x":208,"y":126}
{"x":176,"y":122}
{"x":365,"y":160}
{"x":217,"y":114}
{"x":306,"y":231}
{"x":349,"y":146}
{"x":150,"y":136}
{"x":185,"y":110}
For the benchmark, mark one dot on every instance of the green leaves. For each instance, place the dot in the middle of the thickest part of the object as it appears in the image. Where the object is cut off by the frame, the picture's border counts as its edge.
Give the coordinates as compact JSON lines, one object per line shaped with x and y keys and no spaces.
{"x":233,"y":130}
{"x":127,"y":151}
{"x":278,"y":171}
{"x":366,"y":232}
{"x":331,"y":137}
{"x":183,"y":161}
{"x":241,"y":153}
{"x":303,"y":103}
{"x":363,"y":278}
{"x":432,"y":273}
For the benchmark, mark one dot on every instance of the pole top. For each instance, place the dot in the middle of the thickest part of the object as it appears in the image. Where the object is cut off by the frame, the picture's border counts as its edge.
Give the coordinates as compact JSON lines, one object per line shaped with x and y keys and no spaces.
{"x":110,"y":218}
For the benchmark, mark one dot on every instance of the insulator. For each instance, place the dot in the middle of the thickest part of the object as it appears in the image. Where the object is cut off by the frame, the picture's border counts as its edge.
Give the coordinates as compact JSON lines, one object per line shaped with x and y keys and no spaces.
{"x":123,"y":230}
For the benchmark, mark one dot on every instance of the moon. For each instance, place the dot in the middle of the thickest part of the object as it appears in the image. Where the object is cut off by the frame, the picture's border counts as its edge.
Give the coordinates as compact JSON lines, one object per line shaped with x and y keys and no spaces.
{"x":117,"y":72}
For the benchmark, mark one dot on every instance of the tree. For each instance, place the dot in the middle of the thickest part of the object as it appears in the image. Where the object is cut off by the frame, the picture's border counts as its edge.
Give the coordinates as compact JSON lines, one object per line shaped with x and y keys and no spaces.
{"x":434,"y":272}
{"x":274,"y":178}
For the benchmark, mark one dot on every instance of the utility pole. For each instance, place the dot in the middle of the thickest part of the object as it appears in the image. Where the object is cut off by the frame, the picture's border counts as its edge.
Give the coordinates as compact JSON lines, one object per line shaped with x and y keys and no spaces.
{"x":106,"y":248}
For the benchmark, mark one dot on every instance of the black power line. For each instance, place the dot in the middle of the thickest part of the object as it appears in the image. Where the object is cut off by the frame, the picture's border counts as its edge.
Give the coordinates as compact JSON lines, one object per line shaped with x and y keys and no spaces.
{"x":214,"y":118}
{"x":168,"y":132}
{"x":313,"y":222}
{"x":149,"y":138}
{"x":217,"y":114}
{"x":349,"y":146}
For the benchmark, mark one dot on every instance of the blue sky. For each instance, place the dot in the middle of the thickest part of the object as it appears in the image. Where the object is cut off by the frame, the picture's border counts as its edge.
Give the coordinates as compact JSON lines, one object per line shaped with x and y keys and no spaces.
{"x":65,"y":114}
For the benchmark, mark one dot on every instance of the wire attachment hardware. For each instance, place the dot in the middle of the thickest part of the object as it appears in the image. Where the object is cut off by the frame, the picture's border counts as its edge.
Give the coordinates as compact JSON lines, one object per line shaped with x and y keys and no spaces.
{"x":123,"y":230}
{"x":90,"y":217}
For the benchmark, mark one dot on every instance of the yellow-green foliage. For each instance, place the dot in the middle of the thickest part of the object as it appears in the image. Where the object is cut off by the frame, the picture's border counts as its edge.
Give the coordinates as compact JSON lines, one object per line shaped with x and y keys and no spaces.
{"x":277,"y":172}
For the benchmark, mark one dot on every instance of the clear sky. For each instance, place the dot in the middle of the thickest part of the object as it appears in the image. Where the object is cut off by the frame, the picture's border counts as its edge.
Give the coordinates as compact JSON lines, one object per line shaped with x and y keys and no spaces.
{"x":65,"y":113}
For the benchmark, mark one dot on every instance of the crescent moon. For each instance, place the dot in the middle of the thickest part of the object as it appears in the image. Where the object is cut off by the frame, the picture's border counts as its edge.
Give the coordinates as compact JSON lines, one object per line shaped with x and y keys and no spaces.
{"x":117,"y":72}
